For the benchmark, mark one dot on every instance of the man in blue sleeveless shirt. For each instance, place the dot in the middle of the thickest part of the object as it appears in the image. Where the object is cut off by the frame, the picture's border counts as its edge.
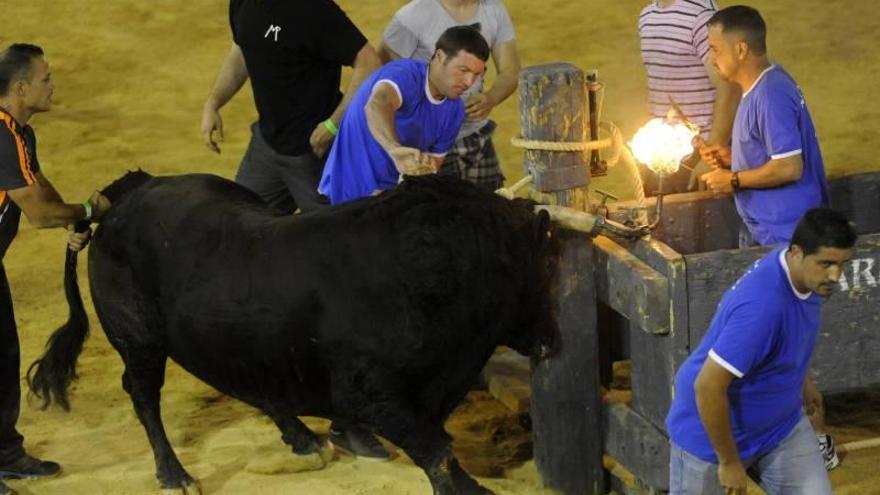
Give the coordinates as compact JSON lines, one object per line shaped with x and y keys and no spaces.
{"x":739,"y":398}
{"x":404,"y":118}
{"x":773,"y":166}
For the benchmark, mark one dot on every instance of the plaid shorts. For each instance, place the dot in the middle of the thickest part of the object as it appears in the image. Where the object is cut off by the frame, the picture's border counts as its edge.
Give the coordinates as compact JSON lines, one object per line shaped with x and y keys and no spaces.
{"x":473,"y":159}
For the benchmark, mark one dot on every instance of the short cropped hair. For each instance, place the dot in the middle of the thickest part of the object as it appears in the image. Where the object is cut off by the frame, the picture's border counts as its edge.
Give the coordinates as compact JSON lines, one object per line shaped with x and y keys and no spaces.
{"x":747,"y":21}
{"x":823,"y":227}
{"x":15,"y":64}
{"x":466,"y":38}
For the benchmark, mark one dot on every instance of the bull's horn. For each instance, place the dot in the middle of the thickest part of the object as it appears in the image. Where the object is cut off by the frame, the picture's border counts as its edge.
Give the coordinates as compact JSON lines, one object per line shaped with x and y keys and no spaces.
{"x":590,"y":224}
{"x":573,"y":220}
{"x":510,"y":192}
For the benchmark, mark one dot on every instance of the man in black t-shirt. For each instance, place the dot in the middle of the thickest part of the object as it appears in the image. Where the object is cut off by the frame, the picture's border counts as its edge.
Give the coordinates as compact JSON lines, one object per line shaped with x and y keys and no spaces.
{"x":25,"y":89}
{"x":293,"y":53}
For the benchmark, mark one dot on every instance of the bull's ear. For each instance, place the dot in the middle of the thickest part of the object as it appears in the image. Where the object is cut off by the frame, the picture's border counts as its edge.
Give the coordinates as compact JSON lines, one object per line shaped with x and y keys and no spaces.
{"x":542,"y":226}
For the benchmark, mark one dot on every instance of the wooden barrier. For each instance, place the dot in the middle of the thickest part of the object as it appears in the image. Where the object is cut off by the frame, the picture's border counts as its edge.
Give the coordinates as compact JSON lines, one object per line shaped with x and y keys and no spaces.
{"x":650,"y":300}
{"x":693,"y":258}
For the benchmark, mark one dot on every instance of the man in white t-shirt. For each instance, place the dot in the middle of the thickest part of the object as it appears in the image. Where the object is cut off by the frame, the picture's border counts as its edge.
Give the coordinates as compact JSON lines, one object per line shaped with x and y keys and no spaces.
{"x":413,"y":33}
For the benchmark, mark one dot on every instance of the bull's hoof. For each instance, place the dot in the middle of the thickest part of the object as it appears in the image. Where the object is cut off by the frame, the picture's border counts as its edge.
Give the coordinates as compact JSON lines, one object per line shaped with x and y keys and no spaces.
{"x":474,"y":490}
{"x":327,"y":452}
{"x":478,"y":490}
{"x":188,"y":487}
{"x":278,"y":463}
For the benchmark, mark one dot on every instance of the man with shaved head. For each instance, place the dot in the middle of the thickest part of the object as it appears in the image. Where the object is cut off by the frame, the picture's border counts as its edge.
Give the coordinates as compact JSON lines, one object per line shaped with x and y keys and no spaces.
{"x":26,"y":88}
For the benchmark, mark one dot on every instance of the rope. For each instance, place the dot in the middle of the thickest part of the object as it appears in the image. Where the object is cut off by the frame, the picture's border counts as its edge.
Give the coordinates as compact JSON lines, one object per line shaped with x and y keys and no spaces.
{"x":614,"y":142}
{"x":533,"y":144}
{"x":860,"y":445}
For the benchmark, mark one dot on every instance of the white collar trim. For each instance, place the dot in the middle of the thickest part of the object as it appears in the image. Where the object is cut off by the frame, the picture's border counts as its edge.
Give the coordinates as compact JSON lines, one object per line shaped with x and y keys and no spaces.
{"x":428,"y":89}
{"x":782,"y":261}
{"x":760,"y":76}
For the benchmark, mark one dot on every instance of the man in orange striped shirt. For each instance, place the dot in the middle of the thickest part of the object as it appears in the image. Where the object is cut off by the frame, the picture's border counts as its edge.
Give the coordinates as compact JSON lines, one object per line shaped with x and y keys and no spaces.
{"x":25,"y":89}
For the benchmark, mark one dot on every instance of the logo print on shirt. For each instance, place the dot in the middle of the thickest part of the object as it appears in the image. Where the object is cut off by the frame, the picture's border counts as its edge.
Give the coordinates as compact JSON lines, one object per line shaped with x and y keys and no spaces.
{"x":273,"y":29}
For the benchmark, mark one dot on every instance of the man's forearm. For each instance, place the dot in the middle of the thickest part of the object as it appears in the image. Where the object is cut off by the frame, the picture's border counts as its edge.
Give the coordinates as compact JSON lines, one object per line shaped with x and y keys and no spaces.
{"x":366,"y":62}
{"x":380,"y":121}
{"x":727,"y":96}
{"x":508,"y":65}
{"x":57,"y":215}
{"x":776,"y":172}
{"x":503,"y":87}
{"x":714,"y":410}
{"x":232,"y":76}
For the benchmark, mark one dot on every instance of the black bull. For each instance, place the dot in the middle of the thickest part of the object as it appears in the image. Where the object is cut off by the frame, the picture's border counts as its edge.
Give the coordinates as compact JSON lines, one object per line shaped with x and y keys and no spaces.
{"x":378,"y":313}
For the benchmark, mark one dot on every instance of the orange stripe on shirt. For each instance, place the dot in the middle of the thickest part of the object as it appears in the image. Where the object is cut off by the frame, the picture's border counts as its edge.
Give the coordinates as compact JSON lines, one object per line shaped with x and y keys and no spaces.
{"x":24,"y":156}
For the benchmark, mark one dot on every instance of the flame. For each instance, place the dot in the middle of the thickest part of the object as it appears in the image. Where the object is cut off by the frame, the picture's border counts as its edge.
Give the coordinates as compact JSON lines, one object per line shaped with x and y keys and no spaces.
{"x":661,"y":144}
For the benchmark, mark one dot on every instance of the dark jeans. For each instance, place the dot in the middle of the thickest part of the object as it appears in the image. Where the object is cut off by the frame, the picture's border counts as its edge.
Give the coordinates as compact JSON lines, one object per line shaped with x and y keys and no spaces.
{"x":11,"y":447}
{"x":283,"y":181}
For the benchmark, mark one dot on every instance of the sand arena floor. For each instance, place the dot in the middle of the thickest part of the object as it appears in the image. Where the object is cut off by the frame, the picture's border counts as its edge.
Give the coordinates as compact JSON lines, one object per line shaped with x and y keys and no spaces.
{"x":131,"y":80}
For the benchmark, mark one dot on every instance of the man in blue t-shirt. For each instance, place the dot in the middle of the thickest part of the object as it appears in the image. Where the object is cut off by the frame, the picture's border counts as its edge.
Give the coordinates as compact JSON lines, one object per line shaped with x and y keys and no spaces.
{"x":740,"y":396}
{"x":404,"y":118}
{"x":774,"y":166}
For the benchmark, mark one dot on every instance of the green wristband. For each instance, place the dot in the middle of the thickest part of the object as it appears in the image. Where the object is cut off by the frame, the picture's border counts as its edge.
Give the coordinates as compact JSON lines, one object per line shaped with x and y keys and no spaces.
{"x":88,"y":207}
{"x":331,"y":127}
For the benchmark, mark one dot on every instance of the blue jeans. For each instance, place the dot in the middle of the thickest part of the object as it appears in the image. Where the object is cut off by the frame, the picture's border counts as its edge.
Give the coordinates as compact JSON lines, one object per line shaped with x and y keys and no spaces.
{"x":794,"y":467}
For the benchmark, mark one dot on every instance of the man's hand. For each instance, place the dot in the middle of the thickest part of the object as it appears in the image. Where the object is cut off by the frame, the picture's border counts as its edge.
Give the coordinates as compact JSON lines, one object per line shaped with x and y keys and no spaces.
{"x":698,"y":170}
{"x":211,"y":123}
{"x":814,"y":405}
{"x":100,"y":206}
{"x":716,"y":155}
{"x":409,"y":161}
{"x":77,"y":241}
{"x":732,"y":478}
{"x":320,"y":139}
{"x":718,"y":181}
{"x":478,"y":106}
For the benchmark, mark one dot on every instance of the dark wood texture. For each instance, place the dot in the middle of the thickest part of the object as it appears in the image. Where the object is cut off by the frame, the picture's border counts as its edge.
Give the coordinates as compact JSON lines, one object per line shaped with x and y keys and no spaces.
{"x":566,"y":407}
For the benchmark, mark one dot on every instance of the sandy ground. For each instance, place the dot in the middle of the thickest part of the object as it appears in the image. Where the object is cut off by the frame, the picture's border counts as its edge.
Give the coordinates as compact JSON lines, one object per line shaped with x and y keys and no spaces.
{"x":131,"y":78}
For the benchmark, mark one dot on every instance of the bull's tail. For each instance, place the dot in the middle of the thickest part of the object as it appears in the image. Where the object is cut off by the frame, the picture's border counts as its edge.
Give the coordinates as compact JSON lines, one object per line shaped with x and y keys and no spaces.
{"x":50,"y":376}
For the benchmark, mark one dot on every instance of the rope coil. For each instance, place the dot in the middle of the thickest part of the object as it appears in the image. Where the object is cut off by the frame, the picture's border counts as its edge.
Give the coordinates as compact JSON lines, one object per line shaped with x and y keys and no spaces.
{"x":533,"y":144}
{"x":614,"y":142}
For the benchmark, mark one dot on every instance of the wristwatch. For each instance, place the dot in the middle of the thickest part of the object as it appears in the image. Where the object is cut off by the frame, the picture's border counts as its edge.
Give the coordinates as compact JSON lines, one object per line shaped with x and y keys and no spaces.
{"x":734,"y":181}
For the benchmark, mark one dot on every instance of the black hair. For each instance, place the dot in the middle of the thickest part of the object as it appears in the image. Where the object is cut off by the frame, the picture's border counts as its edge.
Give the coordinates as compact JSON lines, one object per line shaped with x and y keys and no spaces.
{"x":15,"y":64}
{"x":747,"y":21}
{"x":823,"y":227}
{"x":466,"y":38}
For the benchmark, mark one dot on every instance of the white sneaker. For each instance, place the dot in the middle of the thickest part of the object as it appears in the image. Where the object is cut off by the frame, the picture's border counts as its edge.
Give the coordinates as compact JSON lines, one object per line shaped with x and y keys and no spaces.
{"x":829,"y":453}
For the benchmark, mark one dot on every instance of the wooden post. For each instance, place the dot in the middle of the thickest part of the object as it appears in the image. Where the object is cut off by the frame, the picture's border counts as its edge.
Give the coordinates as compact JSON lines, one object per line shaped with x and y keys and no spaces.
{"x":566,"y":412}
{"x":552,"y":107}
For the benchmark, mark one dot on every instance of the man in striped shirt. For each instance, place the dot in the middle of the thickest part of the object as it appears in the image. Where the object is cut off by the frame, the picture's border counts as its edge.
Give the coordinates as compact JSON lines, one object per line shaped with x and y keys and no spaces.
{"x":26,"y":88}
{"x":675,"y":52}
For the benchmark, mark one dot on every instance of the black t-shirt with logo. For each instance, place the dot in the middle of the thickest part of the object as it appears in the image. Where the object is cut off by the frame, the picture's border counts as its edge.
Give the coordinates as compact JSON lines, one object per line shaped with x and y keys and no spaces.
{"x":294,"y":52}
{"x":18,"y":168}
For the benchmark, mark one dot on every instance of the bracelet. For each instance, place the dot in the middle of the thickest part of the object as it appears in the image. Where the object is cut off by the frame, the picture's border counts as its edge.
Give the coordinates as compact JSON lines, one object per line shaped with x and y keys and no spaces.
{"x":734,"y":181}
{"x":88,"y":207}
{"x":331,"y":127}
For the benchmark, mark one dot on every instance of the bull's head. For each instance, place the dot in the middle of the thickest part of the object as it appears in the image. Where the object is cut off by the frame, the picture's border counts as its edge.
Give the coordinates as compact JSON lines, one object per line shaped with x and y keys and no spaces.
{"x":537,"y":332}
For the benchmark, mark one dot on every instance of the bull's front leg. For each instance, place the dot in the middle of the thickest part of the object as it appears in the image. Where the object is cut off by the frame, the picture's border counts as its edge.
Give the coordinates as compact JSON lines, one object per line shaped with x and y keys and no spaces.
{"x":310,"y":452}
{"x":430,"y":448}
{"x":447,"y":477}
